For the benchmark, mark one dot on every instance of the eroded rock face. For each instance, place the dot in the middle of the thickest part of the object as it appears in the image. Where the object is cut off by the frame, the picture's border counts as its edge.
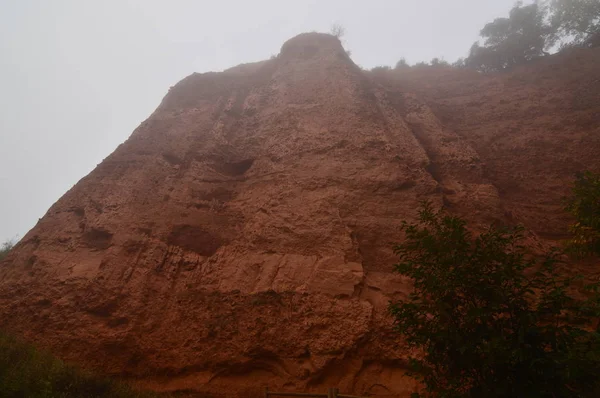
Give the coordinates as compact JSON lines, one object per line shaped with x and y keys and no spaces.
{"x":242,"y":236}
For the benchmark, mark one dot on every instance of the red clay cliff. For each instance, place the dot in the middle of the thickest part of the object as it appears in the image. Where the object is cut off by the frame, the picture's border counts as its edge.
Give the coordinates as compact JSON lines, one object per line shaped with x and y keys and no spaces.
{"x":242,"y":236}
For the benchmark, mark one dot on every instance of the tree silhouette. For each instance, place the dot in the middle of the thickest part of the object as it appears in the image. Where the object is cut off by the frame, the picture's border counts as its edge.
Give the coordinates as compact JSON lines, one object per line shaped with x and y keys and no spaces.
{"x":575,"y":22}
{"x":511,"y":41}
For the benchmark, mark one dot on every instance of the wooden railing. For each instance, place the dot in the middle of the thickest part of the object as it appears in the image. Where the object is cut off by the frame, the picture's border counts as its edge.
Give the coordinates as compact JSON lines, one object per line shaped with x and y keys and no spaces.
{"x":331,"y":393}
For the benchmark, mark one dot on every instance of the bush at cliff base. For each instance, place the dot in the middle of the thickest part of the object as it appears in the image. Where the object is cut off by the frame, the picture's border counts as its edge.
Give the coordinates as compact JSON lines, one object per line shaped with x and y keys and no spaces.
{"x":28,"y":372}
{"x":584,"y":205}
{"x":492,"y":320}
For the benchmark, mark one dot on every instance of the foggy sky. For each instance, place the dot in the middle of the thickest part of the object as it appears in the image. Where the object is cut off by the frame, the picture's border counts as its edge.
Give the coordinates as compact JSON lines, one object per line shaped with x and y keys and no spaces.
{"x":77,"y":76}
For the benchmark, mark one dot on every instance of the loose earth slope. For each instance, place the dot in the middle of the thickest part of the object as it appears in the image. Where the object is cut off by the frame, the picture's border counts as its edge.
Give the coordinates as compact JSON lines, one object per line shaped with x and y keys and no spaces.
{"x":242,"y":236}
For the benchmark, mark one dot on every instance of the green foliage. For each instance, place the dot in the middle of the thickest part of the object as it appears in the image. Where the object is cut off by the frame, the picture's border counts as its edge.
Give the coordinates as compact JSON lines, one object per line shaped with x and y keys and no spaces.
{"x":5,"y":248}
{"x":490,"y":320}
{"x":28,"y":372}
{"x":530,"y":31}
{"x":402,"y":64}
{"x":584,"y":204}
{"x":381,"y":68}
{"x":439,"y":62}
{"x":511,"y":41}
{"x":575,"y":22}
{"x":459,"y":63}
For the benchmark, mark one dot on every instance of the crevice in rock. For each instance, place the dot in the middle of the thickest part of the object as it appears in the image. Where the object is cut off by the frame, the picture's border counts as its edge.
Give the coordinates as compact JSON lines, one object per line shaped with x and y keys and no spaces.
{"x":433,"y":166}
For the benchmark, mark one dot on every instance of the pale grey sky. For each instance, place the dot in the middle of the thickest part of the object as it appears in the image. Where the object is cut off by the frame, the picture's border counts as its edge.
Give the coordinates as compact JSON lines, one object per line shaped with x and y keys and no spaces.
{"x":77,"y":76}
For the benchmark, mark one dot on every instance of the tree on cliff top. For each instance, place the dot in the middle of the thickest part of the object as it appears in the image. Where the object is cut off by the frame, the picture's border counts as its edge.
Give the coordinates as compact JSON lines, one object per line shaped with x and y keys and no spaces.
{"x":510,"y":41}
{"x":337,"y":30}
{"x":532,"y":31}
{"x":491,"y":320}
{"x":575,"y":22}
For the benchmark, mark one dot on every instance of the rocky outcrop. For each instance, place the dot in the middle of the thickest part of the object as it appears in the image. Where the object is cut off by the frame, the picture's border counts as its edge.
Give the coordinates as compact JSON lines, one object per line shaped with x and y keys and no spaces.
{"x":242,"y":236}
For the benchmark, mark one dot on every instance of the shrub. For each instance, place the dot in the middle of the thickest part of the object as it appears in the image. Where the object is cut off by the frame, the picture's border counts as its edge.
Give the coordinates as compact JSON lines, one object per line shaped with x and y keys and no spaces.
{"x":402,"y":64}
{"x":459,"y":63}
{"x":337,"y":30}
{"x":421,"y":64}
{"x":5,"y":248}
{"x":584,"y":205}
{"x":381,"y":68}
{"x":491,"y":320}
{"x":439,"y":62}
{"x":28,"y":372}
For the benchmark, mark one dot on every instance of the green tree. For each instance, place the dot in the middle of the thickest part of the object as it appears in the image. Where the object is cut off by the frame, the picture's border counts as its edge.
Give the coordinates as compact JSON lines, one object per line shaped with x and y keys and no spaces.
{"x":439,"y":62}
{"x":490,"y":320}
{"x":575,"y":22}
{"x":459,"y":63}
{"x":402,"y":64}
{"x":511,"y":41}
{"x":584,"y":205}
